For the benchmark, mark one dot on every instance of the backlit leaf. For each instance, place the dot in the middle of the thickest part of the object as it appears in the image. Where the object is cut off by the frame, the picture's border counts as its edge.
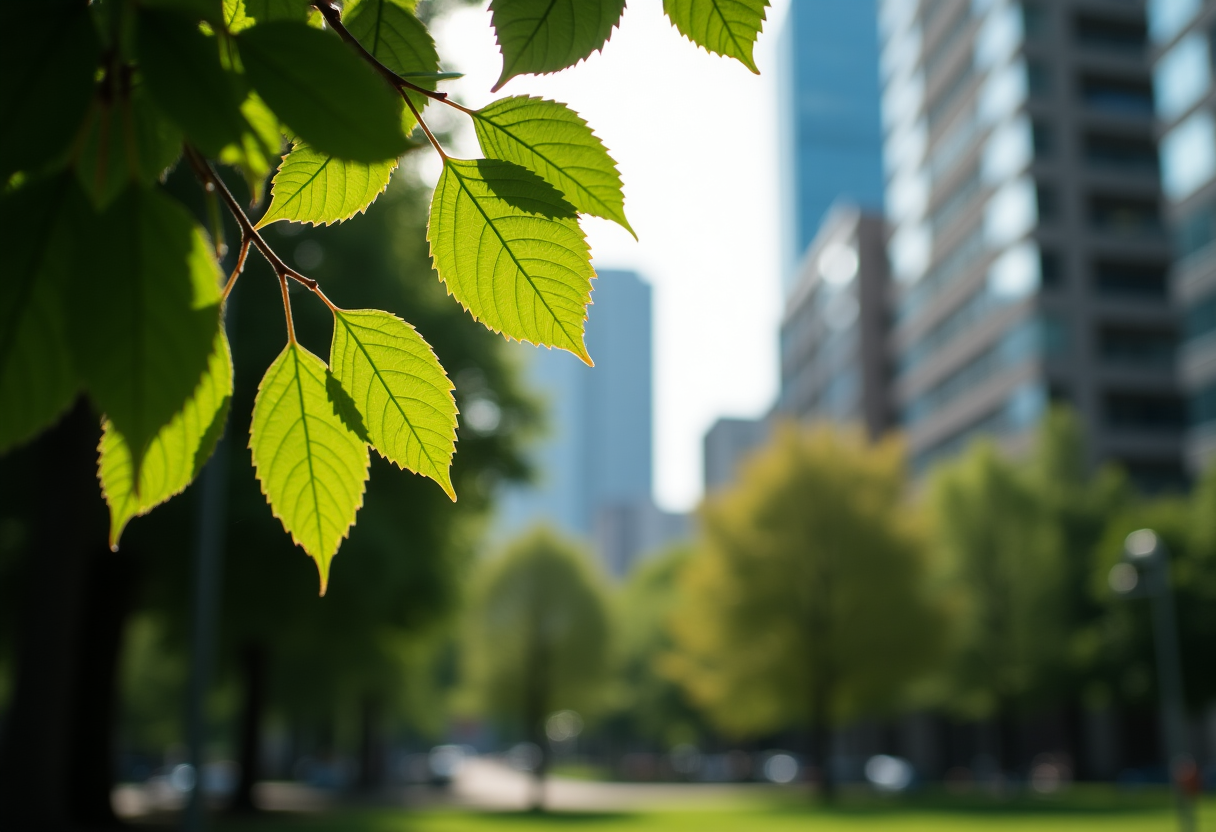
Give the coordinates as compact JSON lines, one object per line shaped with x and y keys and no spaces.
{"x":323,"y":91}
{"x":241,"y":14}
{"x":177,"y":453}
{"x":46,"y":79}
{"x":389,"y":30}
{"x":723,"y":27}
{"x":143,"y":312}
{"x":400,"y":390}
{"x":542,"y":36}
{"x":310,"y":463}
{"x":37,"y":379}
{"x":125,"y":140}
{"x":552,"y":140}
{"x":320,"y":189}
{"x":174,"y":57}
{"x":259,"y":147}
{"x":511,"y":251}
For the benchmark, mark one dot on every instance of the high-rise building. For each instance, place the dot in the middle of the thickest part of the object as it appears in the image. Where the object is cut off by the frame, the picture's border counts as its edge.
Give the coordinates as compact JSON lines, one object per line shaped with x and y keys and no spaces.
{"x":834,"y":329}
{"x":1183,"y":34}
{"x":831,"y":133}
{"x":594,"y":463}
{"x":725,"y":445}
{"x":1027,"y":251}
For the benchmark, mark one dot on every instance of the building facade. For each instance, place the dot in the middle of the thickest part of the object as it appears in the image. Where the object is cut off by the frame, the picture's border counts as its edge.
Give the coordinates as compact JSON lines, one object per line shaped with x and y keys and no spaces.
{"x":1183,"y":34}
{"x":725,"y":445}
{"x":834,"y":329}
{"x":830,"y":129}
{"x":1028,"y":253}
{"x":594,"y":463}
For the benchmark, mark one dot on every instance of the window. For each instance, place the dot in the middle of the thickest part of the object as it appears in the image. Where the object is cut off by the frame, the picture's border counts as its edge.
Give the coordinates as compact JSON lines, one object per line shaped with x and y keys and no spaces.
{"x":1143,"y":411}
{"x":1050,"y":274}
{"x":1167,"y":18}
{"x":1109,"y":34}
{"x":1011,"y":212}
{"x":953,"y":205}
{"x":1182,"y":76}
{"x":1125,"y":154}
{"x":1130,"y":280}
{"x":1057,"y":340}
{"x":1117,"y":96}
{"x":1137,"y":346}
{"x":1188,"y":155}
{"x":1123,"y":215}
{"x":1202,"y":406}
{"x":1196,"y":230}
{"x":1200,"y":318}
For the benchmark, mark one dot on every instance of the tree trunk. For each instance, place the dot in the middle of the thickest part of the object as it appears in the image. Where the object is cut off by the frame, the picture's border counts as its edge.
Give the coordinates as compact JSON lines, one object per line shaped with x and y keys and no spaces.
{"x":821,"y":742}
{"x":536,"y":698}
{"x":67,"y":526}
{"x":253,"y":674}
{"x":107,"y":605}
{"x":371,"y":749}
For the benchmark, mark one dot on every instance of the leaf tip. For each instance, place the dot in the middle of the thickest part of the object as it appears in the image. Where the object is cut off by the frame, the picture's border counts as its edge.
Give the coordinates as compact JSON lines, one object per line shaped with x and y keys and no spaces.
{"x":323,"y":572}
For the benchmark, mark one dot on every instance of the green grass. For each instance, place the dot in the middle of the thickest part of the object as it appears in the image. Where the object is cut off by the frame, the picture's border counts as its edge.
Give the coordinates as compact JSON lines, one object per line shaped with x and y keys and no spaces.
{"x":1080,"y":812}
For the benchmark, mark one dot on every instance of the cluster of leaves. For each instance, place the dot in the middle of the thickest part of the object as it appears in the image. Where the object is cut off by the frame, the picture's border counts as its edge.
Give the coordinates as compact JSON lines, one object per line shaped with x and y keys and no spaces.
{"x":113,"y":288}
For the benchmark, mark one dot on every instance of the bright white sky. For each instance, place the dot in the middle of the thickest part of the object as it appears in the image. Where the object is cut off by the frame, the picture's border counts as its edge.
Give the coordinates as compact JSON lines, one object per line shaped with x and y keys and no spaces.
{"x":695,"y":138}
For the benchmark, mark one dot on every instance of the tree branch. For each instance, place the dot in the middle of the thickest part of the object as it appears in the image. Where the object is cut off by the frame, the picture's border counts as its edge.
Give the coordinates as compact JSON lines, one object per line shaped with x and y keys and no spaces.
{"x":213,"y":183}
{"x":333,"y":17}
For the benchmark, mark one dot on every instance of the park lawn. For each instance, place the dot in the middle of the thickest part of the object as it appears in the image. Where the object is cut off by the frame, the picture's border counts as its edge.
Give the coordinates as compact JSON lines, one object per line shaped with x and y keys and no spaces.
{"x":772,"y":818}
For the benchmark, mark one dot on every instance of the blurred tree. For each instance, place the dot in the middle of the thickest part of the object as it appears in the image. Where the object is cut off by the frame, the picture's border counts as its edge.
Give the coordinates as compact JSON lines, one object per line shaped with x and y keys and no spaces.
{"x":806,"y":604}
{"x":652,"y":707}
{"x":1003,"y":557}
{"x":538,"y":638}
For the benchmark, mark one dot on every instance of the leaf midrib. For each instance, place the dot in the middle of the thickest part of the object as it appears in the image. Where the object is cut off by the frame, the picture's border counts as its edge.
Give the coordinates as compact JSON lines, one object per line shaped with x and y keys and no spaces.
{"x":312,"y":479}
{"x":540,"y":23}
{"x":312,"y":178}
{"x":384,"y":384}
{"x":510,"y":253}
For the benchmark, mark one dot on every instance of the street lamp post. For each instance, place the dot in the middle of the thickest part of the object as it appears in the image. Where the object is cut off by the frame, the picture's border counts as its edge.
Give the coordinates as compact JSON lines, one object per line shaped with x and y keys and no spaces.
{"x":1145,"y":572}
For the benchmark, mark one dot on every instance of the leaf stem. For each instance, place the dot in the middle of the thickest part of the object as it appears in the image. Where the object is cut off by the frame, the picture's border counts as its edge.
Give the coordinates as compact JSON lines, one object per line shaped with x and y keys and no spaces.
{"x":240,"y":266}
{"x":430,"y":136}
{"x":291,"y":327}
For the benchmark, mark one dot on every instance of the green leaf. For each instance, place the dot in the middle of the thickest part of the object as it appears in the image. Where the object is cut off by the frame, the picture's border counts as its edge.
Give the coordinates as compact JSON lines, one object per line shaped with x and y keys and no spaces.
{"x":241,"y":14}
{"x":323,"y":91}
{"x":400,"y":390}
{"x":542,"y":36}
{"x":723,"y":27}
{"x":389,"y":30}
{"x":47,"y":63}
{"x":552,"y":140}
{"x":177,"y":453}
{"x":209,"y":10}
{"x":318,"y":188}
{"x":259,"y":147}
{"x":510,"y":250}
{"x":144,"y":311}
{"x":125,"y":140}
{"x":181,"y":67}
{"x":311,"y":465}
{"x":37,"y":379}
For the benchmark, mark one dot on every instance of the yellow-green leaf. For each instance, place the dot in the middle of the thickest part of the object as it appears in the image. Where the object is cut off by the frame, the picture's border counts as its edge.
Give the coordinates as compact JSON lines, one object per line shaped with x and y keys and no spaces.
{"x":400,"y":390}
{"x":319,"y":188}
{"x":311,"y":464}
{"x":175,"y":456}
{"x":389,"y":30}
{"x":509,"y":248}
{"x":541,"y":36}
{"x":723,"y":27}
{"x":552,"y":140}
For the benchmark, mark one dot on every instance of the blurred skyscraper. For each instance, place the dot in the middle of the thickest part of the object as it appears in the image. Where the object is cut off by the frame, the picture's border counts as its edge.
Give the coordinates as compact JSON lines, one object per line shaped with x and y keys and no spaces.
{"x":830,"y":129}
{"x":594,"y":463}
{"x":1027,"y":250}
{"x":1183,"y":33}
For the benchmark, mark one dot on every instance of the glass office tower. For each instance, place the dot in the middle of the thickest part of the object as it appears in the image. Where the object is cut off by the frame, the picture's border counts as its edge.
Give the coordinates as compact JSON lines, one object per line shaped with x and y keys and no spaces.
{"x":830,"y":128}
{"x":1028,"y":254}
{"x":1183,"y":34}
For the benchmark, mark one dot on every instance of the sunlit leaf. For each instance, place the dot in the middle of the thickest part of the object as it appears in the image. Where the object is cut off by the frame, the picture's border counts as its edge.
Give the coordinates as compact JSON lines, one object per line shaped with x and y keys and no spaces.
{"x":541,"y":36}
{"x":37,"y":379}
{"x":320,"y":189}
{"x":399,"y":388}
{"x":553,"y":141}
{"x":389,"y":30}
{"x":174,"y":56}
{"x":47,"y":63}
{"x":323,"y":91}
{"x":723,"y":27}
{"x":511,"y":251}
{"x":311,"y":464}
{"x":143,"y":312}
{"x":177,"y":453}
{"x":241,"y":14}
